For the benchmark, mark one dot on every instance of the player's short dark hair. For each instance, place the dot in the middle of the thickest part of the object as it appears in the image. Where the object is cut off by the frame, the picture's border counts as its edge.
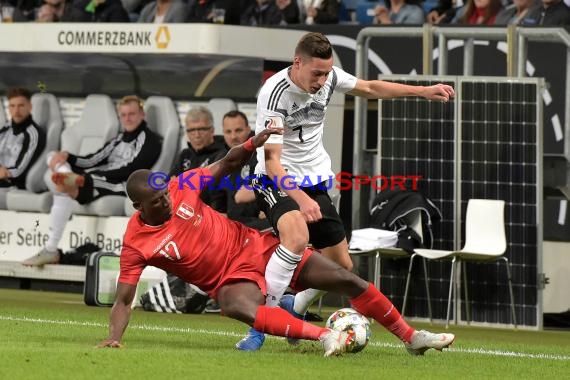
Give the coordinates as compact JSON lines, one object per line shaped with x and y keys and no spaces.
{"x":137,"y":183}
{"x":314,"y":45}
{"x":236,"y":113}
{"x":14,"y":92}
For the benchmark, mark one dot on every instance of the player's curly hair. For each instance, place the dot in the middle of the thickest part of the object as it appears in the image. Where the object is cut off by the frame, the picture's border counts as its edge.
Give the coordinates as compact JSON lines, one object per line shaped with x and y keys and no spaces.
{"x":314,"y":45}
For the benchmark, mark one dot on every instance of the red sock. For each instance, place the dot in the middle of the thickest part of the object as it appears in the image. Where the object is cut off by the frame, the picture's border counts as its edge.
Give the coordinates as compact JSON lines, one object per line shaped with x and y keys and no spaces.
{"x":276,"y":321}
{"x":372,"y":303}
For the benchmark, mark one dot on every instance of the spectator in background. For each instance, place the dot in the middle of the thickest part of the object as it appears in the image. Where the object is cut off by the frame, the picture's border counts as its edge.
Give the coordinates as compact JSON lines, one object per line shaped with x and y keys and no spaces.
{"x":25,"y":10}
{"x":262,"y":12}
{"x":86,"y":178}
{"x":164,"y":11}
{"x":203,"y":149}
{"x":50,"y":11}
{"x":320,"y":11}
{"x":443,"y":13}
{"x":220,"y":11}
{"x":201,"y":10}
{"x":549,"y":13}
{"x":478,"y":12}
{"x":407,"y":12}
{"x":95,"y":11}
{"x":237,"y":131}
{"x":515,"y":13}
{"x":290,"y":11}
{"x":21,"y":142}
{"x":271,"y":12}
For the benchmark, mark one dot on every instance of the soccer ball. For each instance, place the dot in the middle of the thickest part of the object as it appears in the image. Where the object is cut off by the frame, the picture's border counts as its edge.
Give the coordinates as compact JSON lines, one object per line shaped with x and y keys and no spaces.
{"x":353,"y":322}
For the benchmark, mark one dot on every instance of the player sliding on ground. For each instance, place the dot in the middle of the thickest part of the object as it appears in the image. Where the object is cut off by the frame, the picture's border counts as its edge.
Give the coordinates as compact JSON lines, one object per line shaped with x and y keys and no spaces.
{"x":175,"y":231}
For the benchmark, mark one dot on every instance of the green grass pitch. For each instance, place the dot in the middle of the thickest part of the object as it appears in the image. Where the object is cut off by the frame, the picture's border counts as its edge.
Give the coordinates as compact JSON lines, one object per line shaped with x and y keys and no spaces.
{"x":47,"y":335}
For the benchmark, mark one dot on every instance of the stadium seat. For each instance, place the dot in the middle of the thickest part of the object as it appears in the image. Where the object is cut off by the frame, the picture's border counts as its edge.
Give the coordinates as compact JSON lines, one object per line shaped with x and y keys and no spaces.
{"x":485,"y":242}
{"x":219,"y":107}
{"x":162,"y":118}
{"x":351,"y":4}
{"x":98,"y":124}
{"x":3,"y":119}
{"x":46,"y":113}
{"x":363,"y":11}
{"x":428,"y":5}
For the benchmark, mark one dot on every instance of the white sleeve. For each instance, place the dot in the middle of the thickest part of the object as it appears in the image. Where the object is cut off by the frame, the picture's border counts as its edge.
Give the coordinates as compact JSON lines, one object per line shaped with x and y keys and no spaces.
{"x":345,"y":81}
{"x":267,"y":118}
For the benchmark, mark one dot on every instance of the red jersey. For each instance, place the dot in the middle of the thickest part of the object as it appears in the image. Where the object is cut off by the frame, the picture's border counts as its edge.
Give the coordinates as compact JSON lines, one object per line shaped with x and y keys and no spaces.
{"x":197,"y":244}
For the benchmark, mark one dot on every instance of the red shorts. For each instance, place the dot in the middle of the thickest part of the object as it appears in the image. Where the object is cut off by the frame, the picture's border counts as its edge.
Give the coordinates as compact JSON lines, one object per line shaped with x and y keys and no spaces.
{"x":250,"y":263}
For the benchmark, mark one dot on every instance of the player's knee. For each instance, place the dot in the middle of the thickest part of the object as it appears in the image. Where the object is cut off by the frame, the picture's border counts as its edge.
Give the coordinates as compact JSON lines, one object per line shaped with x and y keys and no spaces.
{"x":293,"y":232}
{"x":242,"y":312}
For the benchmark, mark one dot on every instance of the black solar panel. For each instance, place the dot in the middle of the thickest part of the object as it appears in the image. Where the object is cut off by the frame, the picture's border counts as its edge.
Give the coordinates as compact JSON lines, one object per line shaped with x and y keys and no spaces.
{"x":498,"y":159}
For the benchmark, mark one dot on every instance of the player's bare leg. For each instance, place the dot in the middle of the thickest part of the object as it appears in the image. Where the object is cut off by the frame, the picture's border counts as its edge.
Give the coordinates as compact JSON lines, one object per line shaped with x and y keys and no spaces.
{"x":244,"y":301}
{"x":299,"y":304}
{"x":294,"y":238}
{"x":319,"y":272}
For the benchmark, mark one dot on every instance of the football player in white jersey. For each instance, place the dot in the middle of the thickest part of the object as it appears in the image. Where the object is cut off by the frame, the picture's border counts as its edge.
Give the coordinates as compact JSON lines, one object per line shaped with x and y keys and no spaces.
{"x":293,"y":168}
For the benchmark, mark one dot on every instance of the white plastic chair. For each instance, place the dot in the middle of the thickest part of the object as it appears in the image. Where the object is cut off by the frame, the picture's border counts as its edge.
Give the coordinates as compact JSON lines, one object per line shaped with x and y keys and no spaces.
{"x":485,"y":241}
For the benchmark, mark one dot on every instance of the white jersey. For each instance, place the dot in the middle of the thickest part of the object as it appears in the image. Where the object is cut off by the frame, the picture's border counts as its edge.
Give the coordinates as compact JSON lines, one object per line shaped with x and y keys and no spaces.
{"x":281,"y":102}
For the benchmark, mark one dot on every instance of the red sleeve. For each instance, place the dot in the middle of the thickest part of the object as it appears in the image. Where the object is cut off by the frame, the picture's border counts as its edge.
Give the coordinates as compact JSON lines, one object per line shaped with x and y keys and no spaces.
{"x":132,"y":265}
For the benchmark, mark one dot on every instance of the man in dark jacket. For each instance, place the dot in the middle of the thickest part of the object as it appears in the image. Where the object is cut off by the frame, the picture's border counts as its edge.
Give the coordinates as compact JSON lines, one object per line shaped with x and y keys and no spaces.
{"x":236,"y":131}
{"x":21,"y":142}
{"x":86,"y":178}
{"x":203,"y":149}
{"x":549,"y":13}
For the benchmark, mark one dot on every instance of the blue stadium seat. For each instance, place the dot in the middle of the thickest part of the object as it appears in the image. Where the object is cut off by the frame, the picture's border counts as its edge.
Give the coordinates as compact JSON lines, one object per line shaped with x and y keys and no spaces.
{"x":362,"y":11}
{"x":352,"y":4}
{"x":428,"y":5}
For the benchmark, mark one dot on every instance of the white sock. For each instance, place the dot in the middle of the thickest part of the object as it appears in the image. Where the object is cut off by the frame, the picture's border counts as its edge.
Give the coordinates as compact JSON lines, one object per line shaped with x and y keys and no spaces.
{"x":304,"y":299}
{"x":278,"y":274}
{"x":59,"y":215}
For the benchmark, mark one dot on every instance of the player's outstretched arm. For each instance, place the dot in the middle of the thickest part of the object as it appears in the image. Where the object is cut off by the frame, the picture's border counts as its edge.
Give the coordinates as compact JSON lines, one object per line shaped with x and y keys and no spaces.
{"x":239,"y":155}
{"x":379,"y":89}
{"x":120,"y":315}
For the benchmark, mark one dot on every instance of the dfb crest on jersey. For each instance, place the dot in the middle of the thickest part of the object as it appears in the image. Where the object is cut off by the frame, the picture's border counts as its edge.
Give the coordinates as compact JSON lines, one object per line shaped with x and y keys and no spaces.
{"x":320,"y":97}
